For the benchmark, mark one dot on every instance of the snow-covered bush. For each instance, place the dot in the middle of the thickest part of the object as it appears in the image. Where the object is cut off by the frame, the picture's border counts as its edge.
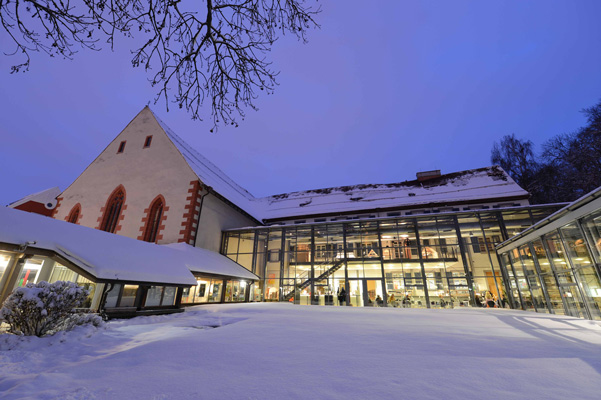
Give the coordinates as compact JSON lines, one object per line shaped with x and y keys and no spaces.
{"x":45,"y":308}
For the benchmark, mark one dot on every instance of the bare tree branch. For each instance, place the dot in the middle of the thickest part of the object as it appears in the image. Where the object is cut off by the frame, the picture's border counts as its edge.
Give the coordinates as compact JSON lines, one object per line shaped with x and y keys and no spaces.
{"x":215,"y":52}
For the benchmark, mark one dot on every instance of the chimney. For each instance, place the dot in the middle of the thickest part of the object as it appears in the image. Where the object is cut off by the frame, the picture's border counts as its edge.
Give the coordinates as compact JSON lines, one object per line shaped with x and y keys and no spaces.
{"x":427,"y":175}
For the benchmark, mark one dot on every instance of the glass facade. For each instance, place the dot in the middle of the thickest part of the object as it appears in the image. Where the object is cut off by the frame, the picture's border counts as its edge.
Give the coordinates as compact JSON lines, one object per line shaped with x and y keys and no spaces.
{"x":211,"y":290}
{"x":17,"y":271}
{"x":558,"y":271}
{"x":37,"y":268}
{"x":430,"y":261}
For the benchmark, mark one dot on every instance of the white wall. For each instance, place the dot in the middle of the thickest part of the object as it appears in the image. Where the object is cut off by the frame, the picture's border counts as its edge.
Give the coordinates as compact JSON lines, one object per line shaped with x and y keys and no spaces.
{"x":144,"y":172}
{"x":216,"y":216}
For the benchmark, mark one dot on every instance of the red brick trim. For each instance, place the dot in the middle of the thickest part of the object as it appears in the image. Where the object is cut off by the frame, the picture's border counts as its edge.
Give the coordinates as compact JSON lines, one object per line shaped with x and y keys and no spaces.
{"x":75,"y":207}
{"x":190,"y":217}
{"x":146,"y":216}
{"x":58,"y":203}
{"x":121,"y":215}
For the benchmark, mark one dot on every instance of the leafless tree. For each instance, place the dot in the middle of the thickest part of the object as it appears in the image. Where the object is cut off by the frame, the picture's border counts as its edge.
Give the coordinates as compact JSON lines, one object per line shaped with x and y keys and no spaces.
{"x":516,"y":157}
{"x":569,"y":166}
{"x":196,"y":52}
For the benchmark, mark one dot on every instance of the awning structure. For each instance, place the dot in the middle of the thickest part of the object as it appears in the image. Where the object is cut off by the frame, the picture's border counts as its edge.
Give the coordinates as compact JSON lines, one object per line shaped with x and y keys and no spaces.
{"x":109,"y":257}
{"x":203,"y":261}
{"x":573,"y":211}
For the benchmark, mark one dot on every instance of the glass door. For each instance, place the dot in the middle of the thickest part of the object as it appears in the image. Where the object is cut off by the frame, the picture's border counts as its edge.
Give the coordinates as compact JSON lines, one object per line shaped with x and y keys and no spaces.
{"x":573,"y":300}
{"x":355,"y":294}
{"x":373,"y":296}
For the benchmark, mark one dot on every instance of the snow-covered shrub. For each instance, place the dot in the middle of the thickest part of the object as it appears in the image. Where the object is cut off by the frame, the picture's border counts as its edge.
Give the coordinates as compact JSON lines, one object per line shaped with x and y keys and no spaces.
{"x":45,"y":308}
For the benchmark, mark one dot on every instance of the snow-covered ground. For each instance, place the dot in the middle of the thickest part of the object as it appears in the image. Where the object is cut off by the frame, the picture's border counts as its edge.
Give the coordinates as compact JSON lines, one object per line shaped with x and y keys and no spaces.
{"x":282,"y":351}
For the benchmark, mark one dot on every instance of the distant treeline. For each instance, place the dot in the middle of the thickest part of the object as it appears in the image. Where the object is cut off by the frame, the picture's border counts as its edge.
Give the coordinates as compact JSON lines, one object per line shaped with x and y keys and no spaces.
{"x":568,"y":167}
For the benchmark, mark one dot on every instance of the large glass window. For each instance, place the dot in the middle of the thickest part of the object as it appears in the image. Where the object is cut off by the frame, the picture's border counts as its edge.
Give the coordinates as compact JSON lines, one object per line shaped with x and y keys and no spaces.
{"x":188,"y":295}
{"x":556,"y":252}
{"x":310,"y":264}
{"x":273,"y":265}
{"x":592,"y":227}
{"x":516,"y":221}
{"x":548,"y":277}
{"x":520,"y":277}
{"x":568,"y":284}
{"x":30,"y":271}
{"x":581,"y":262}
{"x":5,"y":259}
{"x":128,"y":296}
{"x":202,"y":290}
{"x":215,"y":291}
{"x":61,"y":273}
{"x":154,"y":296}
{"x":514,"y":291}
{"x":478,"y":242}
{"x":112,"y":297}
{"x":538,"y":298}
{"x":169,"y":296}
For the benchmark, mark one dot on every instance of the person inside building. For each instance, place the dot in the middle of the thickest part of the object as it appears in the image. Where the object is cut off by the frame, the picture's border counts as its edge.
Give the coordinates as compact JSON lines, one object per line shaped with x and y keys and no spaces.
{"x":407,"y":301}
{"x":341,"y":295}
{"x":391,"y":300}
{"x":490,"y":300}
{"x":504,"y":301}
{"x":379,"y":301}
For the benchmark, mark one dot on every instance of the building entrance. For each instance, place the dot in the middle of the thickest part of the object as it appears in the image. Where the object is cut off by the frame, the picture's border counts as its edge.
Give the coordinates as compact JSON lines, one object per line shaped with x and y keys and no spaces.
{"x":573,"y":301}
{"x":366,"y":293}
{"x":362,"y":292}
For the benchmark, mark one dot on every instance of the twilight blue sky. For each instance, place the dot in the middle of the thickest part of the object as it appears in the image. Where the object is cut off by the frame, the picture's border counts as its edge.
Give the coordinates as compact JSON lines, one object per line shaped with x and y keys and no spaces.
{"x":383,"y":90}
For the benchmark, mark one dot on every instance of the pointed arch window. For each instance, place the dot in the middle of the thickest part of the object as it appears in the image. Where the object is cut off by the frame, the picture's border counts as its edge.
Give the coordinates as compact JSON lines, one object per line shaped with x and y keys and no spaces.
{"x":154,"y":220}
{"x":112,"y":211}
{"x":74,"y":214}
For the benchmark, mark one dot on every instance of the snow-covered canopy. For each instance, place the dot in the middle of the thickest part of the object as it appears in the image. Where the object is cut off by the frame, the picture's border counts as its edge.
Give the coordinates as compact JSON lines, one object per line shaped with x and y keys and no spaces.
{"x":205,"y":261}
{"x":577,"y":209}
{"x":109,"y":257}
{"x":476,"y":185}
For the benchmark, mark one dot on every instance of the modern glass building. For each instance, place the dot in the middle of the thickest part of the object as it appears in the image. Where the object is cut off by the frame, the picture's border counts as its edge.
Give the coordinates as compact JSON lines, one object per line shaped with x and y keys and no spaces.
{"x":555,"y":265}
{"x":425,"y":261}
{"x":428,"y":242}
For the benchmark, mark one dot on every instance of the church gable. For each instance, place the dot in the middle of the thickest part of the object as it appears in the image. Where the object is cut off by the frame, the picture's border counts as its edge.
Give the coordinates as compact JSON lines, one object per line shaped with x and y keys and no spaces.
{"x":144,"y":162}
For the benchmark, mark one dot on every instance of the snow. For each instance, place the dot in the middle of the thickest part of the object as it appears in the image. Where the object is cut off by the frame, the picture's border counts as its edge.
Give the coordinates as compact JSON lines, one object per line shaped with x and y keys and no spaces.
{"x":208,"y":262}
{"x":476,"y":186}
{"x":46,"y":197}
{"x":489,"y":183}
{"x":110,"y":257}
{"x":210,"y":174}
{"x":277,"y":351}
{"x":570,"y":212}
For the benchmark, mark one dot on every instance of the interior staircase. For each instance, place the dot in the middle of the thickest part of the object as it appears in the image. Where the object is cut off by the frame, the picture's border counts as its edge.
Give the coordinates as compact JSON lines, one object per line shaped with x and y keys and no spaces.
{"x":327,"y":273}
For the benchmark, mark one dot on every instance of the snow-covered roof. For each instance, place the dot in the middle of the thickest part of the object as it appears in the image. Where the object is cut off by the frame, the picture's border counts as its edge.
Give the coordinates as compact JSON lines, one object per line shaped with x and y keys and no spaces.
{"x":577,"y":209}
{"x":208,"y":262}
{"x":473,"y":185}
{"x":107,"y":256}
{"x":46,"y":197}
{"x":211,"y":175}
